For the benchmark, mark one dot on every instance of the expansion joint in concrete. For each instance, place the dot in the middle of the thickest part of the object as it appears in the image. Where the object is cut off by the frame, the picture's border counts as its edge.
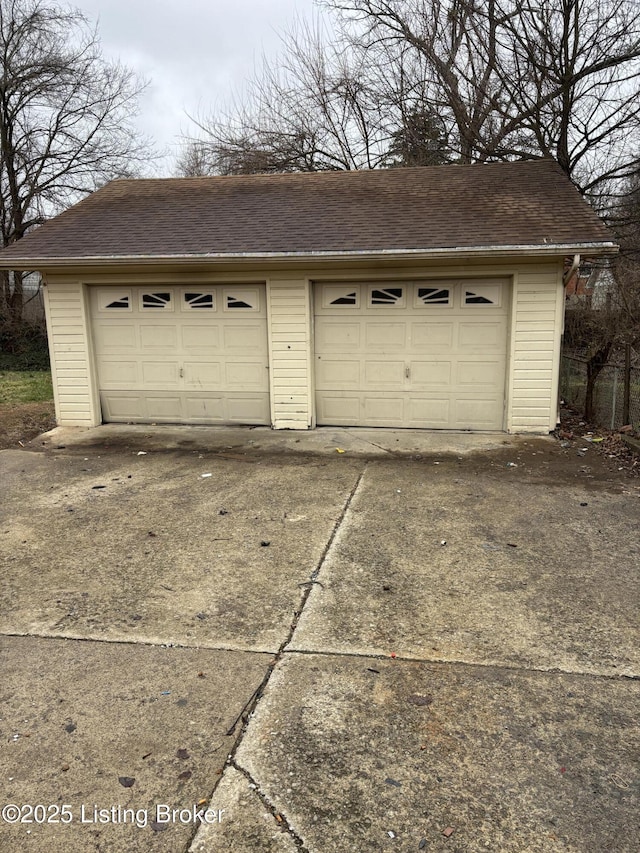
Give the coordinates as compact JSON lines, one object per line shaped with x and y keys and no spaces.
{"x":313,"y":578}
{"x":460,"y":662}
{"x":279,"y":818}
{"x":249,"y":708}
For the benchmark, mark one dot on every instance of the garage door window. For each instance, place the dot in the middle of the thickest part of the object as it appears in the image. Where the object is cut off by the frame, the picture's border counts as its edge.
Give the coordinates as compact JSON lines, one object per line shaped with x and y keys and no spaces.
{"x":198,"y":300}
{"x":157,"y":300}
{"x":482,"y":295}
{"x":122,"y":302}
{"x":335,"y":294}
{"x":434,"y":296}
{"x":386,"y":296}
{"x":241,"y":300}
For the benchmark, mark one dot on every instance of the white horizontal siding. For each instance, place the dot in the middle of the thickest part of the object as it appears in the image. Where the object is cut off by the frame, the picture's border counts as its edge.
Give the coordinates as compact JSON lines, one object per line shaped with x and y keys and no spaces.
{"x":536,"y":329}
{"x":289,"y":312}
{"x":70,"y":354}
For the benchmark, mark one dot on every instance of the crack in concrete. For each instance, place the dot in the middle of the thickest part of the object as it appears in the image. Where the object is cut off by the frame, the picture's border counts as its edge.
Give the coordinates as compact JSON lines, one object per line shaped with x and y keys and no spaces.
{"x":278,"y":816}
{"x":538,"y":670}
{"x":138,"y":642}
{"x":313,"y":578}
{"x":248,"y":710}
{"x":614,"y":676}
{"x":388,"y":451}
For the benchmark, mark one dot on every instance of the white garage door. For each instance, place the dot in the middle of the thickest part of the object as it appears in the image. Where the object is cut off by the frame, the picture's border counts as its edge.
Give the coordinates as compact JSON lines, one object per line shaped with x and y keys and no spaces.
{"x":428,"y":354}
{"x":182,"y":354}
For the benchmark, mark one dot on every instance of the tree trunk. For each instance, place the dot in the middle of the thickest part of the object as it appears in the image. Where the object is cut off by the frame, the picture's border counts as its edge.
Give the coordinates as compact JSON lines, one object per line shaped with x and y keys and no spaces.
{"x":15,"y":303}
{"x":5,"y":293}
{"x":595,"y":366}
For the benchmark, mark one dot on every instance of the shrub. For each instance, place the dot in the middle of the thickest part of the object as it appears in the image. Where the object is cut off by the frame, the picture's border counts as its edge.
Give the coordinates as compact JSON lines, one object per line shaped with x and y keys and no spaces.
{"x":23,"y":346}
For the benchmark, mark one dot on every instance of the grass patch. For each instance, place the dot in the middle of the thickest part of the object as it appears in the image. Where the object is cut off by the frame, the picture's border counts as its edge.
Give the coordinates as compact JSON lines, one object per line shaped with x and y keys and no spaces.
{"x":18,"y":387}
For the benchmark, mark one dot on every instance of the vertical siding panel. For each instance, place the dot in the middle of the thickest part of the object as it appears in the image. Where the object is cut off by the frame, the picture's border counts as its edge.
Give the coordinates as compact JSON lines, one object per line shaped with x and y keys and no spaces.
{"x":68,"y":327}
{"x":289,"y":322}
{"x":535,"y":349}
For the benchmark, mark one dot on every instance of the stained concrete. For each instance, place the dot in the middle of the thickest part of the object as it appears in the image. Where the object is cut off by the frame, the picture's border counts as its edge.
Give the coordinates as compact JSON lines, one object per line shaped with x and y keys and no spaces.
{"x":146,"y":548}
{"x":380,"y":690}
{"x":383,"y":755}
{"x":438,"y":563}
{"x":355,"y":441}
{"x":78,"y":716}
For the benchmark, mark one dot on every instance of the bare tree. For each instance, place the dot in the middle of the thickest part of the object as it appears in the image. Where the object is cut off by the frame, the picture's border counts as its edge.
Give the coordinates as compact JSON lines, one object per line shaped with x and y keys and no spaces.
{"x":385,"y":90}
{"x":474,"y":80}
{"x":523,"y":78}
{"x":312,"y":110}
{"x":607,"y":326}
{"x":323,"y":104}
{"x":65,"y":121}
{"x":457,"y":47}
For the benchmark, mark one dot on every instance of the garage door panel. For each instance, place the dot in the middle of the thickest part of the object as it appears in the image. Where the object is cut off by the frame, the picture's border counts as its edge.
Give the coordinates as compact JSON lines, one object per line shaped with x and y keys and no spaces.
{"x":338,"y":336}
{"x":384,"y":374}
{"x":244,"y":337}
{"x":429,"y":373}
{"x":121,"y":407}
{"x":476,"y":412}
{"x":248,"y":409}
{"x":117,"y":374}
{"x":188,"y":365}
{"x":432,"y":410}
{"x":162,"y":338}
{"x":163,"y":407}
{"x":336,"y":408}
{"x":480,"y":374}
{"x":481,"y":336}
{"x":132,"y":406}
{"x":419,"y":365}
{"x":382,"y":411}
{"x":204,"y":408}
{"x":436,"y":337}
{"x":337,"y":373}
{"x":118,"y":337}
{"x":161,"y":373}
{"x":244,"y":375}
{"x":226,"y":408}
{"x":385,"y":336}
{"x":202,"y":374}
{"x":200,"y":340}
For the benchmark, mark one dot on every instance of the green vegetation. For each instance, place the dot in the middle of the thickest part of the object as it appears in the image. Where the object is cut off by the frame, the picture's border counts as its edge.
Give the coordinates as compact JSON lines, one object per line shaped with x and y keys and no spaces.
{"x":23,"y":346}
{"x":18,"y":387}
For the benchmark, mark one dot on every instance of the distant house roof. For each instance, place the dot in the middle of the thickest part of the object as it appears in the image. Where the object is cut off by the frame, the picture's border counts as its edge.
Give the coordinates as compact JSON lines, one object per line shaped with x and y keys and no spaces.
{"x":520,"y":206}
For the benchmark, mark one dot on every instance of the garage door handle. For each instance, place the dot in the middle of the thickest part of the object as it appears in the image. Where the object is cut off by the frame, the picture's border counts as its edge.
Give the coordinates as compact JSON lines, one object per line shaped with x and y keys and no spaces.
{"x":407,"y":371}
{"x":181,"y":373}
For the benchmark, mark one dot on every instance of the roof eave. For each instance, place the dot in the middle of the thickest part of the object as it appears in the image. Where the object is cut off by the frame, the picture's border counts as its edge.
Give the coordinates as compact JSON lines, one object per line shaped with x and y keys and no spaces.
{"x":559,"y":249}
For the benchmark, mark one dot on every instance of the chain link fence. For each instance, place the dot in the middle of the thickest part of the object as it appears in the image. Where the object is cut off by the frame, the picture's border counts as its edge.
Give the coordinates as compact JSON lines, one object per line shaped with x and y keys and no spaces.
{"x":608,"y":392}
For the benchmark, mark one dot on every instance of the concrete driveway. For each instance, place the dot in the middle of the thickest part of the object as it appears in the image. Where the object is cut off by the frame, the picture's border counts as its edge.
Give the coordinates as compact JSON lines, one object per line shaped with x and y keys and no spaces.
{"x":239,"y":640}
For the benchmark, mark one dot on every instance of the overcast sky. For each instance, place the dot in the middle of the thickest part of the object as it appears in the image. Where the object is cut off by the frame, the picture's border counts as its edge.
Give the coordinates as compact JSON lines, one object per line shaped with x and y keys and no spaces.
{"x":192,"y":52}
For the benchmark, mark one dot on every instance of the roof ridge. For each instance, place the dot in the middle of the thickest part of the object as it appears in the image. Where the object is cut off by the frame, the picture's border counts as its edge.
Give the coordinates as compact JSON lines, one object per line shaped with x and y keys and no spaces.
{"x":334,"y":172}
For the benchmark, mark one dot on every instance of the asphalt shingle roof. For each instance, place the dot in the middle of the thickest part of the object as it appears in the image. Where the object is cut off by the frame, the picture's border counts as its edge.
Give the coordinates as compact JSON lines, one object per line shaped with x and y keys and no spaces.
{"x":528,"y":203}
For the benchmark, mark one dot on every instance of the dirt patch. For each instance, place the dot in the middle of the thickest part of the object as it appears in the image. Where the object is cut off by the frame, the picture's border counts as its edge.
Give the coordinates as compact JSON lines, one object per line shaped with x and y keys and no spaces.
{"x":22,"y":422}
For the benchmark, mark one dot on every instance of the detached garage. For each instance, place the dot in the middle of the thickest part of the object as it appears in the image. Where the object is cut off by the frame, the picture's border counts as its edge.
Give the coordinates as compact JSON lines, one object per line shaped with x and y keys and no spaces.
{"x":427,"y":298}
